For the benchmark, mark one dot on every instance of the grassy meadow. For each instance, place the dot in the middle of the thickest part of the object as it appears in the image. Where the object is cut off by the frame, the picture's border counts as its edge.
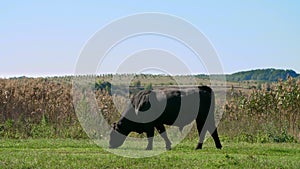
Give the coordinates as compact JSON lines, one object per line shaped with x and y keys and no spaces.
{"x":83,"y":153}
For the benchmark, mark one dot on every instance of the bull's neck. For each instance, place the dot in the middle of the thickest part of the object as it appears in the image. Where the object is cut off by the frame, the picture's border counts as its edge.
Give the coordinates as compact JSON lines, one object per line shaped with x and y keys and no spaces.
{"x":125,"y":126}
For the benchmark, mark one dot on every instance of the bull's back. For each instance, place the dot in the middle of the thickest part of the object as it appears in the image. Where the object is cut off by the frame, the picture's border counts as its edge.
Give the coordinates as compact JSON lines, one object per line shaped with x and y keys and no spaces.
{"x":184,"y":106}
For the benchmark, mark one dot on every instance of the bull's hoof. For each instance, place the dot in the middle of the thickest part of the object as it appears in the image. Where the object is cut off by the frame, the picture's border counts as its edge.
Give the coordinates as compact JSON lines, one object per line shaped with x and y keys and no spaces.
{"x":199,"y":146}
{"x":219,"y":147}
{"x":168,"y":148}
{"x":149,"y":148}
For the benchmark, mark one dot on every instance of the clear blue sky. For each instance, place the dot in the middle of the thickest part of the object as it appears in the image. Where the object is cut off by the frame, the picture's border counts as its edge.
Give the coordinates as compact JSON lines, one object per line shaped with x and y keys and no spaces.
{"x":44,"y":38}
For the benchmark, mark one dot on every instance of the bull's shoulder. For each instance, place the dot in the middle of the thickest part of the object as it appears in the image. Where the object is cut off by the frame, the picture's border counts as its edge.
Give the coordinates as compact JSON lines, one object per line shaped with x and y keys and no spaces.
{"x":140,"y":101}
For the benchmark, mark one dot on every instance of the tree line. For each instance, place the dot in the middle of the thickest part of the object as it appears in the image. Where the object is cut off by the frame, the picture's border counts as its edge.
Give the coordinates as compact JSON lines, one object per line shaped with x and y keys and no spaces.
{"x":268,"y":75}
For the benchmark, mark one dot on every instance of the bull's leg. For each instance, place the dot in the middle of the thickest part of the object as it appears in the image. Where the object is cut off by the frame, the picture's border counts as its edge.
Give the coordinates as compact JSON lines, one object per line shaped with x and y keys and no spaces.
{"x":209,"y":126}
{"x":214,"y":134}
{"x":162,"y":131}
{"x":150,"y":135}
{"x":201,"y":133}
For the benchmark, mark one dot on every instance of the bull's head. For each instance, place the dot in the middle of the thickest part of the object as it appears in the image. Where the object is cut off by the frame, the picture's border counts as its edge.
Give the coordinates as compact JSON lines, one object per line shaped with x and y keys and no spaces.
{"x":116,"y":138}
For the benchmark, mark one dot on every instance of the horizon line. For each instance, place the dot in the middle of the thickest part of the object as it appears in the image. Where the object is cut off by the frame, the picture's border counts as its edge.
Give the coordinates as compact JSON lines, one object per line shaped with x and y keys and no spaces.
{"x":112,"y":73}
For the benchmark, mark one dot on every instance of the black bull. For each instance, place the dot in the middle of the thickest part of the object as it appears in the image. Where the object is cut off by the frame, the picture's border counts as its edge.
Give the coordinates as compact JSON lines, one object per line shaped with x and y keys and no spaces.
{"x":171,"y":106}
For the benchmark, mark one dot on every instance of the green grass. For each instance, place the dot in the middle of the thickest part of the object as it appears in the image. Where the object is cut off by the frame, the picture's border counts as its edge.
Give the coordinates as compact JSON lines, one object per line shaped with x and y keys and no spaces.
{"x":69,"y":153}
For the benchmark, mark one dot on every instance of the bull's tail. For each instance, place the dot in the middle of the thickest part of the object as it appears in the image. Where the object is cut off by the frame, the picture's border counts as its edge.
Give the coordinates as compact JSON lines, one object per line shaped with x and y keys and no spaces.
{"x":212,"y":108}
{"x":213,"y":127}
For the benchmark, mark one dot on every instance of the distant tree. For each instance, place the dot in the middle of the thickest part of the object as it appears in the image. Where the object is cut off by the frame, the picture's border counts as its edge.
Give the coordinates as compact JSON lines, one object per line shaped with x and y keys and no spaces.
{"x":137,"y":83}
{"x":149,"y":86}
{"x":103,"y":86}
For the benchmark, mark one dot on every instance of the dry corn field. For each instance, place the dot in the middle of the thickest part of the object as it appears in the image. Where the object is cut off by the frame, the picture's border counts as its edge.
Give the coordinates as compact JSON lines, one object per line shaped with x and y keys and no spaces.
{"x":43,"y":108}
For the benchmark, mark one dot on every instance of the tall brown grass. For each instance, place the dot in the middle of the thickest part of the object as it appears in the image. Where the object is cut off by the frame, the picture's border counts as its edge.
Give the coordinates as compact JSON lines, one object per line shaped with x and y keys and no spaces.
{"x":43,"y":107}
{"x":268,"y":114}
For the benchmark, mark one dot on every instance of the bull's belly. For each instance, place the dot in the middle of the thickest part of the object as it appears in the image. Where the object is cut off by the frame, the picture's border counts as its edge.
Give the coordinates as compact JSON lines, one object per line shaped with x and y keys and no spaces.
{"x":180,"y":119}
